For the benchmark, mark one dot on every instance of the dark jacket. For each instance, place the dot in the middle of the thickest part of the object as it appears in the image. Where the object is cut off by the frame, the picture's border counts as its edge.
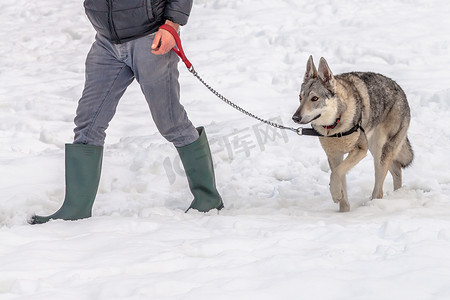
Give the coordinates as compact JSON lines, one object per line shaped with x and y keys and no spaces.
{"x":124,"y":20}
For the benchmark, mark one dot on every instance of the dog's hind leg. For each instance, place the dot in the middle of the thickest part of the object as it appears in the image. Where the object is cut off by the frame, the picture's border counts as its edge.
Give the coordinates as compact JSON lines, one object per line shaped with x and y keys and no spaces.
{"x":396,"y":172}
{"x":382,"y":160}
{"x":403,"y":159}
{"x":381,"y":169}
{"x":384,"y":150}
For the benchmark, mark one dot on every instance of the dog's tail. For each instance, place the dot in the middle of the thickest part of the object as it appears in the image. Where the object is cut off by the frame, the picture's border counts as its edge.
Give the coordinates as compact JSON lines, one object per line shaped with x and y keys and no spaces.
{"x":406,"y":154}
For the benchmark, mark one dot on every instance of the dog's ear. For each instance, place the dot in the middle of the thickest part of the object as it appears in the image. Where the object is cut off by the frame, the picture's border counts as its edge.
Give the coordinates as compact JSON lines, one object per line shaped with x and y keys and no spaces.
{"x":325,"y":74}
{"x":311,"y":71}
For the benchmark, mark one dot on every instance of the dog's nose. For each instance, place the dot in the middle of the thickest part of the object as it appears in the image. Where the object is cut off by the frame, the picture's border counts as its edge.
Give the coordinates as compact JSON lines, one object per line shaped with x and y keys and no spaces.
{"x":296,"y":118}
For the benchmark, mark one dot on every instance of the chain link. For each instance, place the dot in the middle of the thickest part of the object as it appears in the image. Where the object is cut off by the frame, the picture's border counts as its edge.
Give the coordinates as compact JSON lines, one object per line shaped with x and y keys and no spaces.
{"x":237,"y":107}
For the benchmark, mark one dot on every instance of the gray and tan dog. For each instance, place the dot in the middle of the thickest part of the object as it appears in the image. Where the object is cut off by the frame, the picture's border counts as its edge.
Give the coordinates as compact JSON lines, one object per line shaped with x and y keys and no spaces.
{"x":354,"y":112}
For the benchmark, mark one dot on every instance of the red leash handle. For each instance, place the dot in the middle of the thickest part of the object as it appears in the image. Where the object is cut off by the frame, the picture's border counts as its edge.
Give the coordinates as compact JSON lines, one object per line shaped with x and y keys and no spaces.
{"x":178,"y":51}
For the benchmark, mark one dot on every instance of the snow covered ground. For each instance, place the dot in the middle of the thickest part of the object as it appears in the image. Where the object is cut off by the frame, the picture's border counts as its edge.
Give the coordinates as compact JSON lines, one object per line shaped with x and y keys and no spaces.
{"x":280,"y":236}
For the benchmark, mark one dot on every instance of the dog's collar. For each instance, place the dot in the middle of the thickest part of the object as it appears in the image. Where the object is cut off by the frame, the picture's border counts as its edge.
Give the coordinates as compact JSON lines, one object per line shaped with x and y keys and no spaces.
{"x":353,"y":129}
{"x":328,"y":127}
{"x":313,"y":132}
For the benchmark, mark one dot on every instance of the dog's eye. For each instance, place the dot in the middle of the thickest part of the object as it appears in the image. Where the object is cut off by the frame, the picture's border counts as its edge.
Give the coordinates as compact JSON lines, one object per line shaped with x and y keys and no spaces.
{"x":315,"y":98}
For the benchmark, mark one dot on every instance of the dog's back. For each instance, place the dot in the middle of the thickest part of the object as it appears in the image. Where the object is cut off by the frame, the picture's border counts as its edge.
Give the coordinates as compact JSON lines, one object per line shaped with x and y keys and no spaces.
{"x":384,"y":95}
{"x":384,"y":108}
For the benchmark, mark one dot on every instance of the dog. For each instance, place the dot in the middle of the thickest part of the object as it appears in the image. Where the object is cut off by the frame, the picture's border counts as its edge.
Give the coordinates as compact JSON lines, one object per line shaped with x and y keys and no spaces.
{"x":352,"y":113}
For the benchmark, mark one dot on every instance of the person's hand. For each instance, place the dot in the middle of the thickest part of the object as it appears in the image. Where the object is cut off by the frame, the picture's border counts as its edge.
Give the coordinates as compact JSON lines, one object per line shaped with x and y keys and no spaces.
{"x":164,"y":41}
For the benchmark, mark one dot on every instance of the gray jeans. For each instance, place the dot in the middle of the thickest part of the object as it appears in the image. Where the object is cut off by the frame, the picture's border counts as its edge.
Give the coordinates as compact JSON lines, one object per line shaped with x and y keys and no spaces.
{"x":110,"y":69}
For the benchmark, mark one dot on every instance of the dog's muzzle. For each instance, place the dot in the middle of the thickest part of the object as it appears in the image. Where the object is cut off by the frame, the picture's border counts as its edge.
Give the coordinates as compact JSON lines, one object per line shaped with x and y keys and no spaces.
{"x":298,"y":119}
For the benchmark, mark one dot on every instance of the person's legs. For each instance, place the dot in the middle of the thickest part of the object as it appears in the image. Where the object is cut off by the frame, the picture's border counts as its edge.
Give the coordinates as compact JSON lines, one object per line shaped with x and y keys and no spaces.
{"x":107,"y":78}
{"x":158,"y":77}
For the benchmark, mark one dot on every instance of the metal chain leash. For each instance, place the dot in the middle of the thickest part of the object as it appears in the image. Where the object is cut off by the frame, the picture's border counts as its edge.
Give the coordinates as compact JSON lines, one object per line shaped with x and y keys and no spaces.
{"x":179,"y":51}
{"x":237,"y":107}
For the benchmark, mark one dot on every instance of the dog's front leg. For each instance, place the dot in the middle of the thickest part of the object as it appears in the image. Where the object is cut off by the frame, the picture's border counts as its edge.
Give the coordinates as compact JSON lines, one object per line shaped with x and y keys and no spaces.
{"x":338,"y":191}
{"x":336,"y":181}
{"x":338,"y":187}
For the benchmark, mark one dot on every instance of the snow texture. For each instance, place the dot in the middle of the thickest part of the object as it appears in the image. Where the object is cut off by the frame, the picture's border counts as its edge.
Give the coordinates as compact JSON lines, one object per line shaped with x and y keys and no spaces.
{"x":280,"y":235}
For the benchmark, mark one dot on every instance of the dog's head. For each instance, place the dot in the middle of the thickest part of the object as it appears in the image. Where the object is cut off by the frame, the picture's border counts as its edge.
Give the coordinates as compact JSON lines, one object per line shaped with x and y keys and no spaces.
{"x":318,"y":103}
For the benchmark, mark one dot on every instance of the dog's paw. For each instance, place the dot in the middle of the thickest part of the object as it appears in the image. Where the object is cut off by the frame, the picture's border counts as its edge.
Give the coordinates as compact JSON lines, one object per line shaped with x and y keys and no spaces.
{"x":344,"y":206}
{"x":335,"y":199}
{"x":377,"y":194}
{"x":337,"y":194}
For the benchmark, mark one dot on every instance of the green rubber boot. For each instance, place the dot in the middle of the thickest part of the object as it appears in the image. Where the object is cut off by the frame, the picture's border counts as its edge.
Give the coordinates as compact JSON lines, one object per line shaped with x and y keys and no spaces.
{"x":83,"y":167}
{"x":197,"y":162}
